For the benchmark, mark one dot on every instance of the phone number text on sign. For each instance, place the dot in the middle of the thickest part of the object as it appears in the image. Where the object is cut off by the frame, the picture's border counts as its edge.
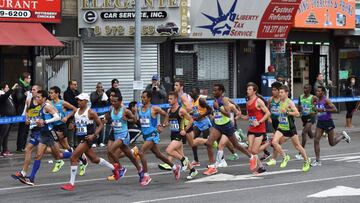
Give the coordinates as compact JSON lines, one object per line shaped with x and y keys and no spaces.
{"x":15,"y":14}
{"x":277,"y":30}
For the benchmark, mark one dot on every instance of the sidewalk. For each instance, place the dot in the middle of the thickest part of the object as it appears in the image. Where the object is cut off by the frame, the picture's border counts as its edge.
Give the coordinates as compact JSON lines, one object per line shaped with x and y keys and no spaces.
{"x":338,"y":118}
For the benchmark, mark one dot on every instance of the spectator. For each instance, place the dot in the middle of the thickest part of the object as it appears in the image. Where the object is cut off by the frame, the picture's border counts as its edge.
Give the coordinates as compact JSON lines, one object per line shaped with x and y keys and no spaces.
{"x":271,"y":71}
{"x":352,"y":90}
{"x":134,"y":126}
{"x":70,"y":96}
{"x":114,"y":88}
{"x":19,"y":96}
{"x":99,"y":100}
{"x":158,"y":91}
{"x":7,"y":108}
{"x":71,"y":92}
{"x":320,"y":82}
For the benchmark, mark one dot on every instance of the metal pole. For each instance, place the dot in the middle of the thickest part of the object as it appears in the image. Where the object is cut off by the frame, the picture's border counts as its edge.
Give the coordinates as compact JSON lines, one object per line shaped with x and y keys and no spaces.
{"x":137,"y":58}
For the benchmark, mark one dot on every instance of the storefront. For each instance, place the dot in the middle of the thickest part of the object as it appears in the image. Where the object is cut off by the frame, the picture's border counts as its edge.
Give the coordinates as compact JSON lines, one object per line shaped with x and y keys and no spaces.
{"x":227,"y":42}
{"x":107,"y":36}
{"x":310,"y":47}
{"x":21,"y":33}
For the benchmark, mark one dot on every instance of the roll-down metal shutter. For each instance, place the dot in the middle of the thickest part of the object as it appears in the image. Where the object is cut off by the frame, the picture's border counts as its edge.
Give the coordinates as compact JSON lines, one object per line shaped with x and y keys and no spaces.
{"x":105,"y":61}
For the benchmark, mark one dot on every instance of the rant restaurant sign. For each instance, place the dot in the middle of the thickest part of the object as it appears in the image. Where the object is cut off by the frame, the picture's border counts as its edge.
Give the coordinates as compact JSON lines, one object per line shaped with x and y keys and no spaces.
{"x":116,"y":17}
{"x":43,"y":11}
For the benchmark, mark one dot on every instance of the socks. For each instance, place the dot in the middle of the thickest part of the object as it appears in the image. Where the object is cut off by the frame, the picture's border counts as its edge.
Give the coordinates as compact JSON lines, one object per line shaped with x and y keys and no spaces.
{"x":66,"y":154}
{"x":174,"y":167}
{"x":103,"y":162}
{"x":73,"y":172}
{"x":219,"y":155}
{"x":35,"y":168}
{"x":196,"y":158}
{"x":23,"y":173}
{"x":83,"y":161}
{"x":266,"y":152}
{"x":146,"y":174}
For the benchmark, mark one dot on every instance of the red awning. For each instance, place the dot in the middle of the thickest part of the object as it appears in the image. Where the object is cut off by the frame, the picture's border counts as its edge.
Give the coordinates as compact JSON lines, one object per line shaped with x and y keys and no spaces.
{"x":26,"y":34}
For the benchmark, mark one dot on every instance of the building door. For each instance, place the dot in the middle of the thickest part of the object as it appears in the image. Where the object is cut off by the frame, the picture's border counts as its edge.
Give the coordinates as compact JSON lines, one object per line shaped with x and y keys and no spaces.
{"x":301,"y":68}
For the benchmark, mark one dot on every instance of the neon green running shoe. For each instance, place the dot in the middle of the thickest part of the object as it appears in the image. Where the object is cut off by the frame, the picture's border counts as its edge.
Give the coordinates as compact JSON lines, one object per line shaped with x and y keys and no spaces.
{"x":58,"y":165}
{"x":215,"y":145}
{"x":306,"y":166}
{"x":165,"y":166}
{"x":285,"y":161}
{"x":271,"y":162}
{"x":82,"y":169}
{"x":233,"y":157}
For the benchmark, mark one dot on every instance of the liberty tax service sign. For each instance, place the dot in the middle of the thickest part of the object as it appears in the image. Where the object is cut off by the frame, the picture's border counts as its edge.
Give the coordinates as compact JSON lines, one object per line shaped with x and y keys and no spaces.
{"x":242,"y":19}
{"x":42,"y":11}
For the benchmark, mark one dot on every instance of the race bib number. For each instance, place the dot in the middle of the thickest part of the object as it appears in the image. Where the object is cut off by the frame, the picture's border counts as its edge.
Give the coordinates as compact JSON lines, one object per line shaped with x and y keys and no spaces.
{"x":81,"y":130}
{"x":33,"y":122}
{"x":252,"y":119}
{"x":283,"y":119}
{"x":217,"y":116}
{"x":145,"y":122}
{"x":321,"y":106}
{"x":274,"y":110}
{"x":306,"y":109}
{"x":174,"y":126}
{"x":117,"y":125}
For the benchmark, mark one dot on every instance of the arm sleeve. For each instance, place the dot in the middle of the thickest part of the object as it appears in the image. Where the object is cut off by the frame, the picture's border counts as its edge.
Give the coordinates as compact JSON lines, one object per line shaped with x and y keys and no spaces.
{"x":55,"y":118}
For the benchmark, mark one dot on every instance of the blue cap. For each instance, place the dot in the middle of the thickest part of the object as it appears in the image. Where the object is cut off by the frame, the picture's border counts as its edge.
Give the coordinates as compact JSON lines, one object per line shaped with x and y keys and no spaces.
{"x":155,"y":77}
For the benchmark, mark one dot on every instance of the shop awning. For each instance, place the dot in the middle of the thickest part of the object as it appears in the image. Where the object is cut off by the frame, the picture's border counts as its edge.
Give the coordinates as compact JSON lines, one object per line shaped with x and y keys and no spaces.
{"x":26,"y":34}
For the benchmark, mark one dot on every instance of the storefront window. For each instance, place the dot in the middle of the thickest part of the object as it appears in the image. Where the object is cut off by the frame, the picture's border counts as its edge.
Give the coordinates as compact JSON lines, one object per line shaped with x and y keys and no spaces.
{"x":213,"y":62}
{"x":349,"y":60}
{"x":281,"y":63}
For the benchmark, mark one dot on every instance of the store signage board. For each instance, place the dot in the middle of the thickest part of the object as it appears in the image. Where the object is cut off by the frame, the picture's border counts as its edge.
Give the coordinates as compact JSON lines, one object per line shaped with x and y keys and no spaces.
{"x":117,"y":18}
{"x":242,"y":19}
{"x":334,"y":14}
{"x":42,"y":11}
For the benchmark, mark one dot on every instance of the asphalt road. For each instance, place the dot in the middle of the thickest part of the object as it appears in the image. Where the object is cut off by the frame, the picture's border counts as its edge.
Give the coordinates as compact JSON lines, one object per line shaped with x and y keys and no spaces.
{"x":339,"y":173}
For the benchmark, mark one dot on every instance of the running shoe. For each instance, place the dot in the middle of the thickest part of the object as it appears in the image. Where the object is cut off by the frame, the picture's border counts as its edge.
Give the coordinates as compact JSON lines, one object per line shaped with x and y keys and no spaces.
{"x":177,"y":172}
{"x":93,"y":145}
{"x":260,"y":170}
{"x":102,"y":145}
{"x":185,"y":164}
{"x":215,"y":145}
{"x":136,"y":152}
{"x":316,"y":163}
{"x":116,"y":171}
{"x":271,"y":162}
{"x":285,"y":161}
{"x":110,"y":178}
{"x":306,"y":166}
{"x":82,"y":169}
{"x":58,"y":166}
{"x":346,"y":137}
{"x":141,"y":175}
{"x":233,"y":157}
{"x":192,"y":175}
{"x":165,"y":166}
{"x":146,"y":180}
{"x":265,"y":157}
{"x":68,"y":187}
{"x":17,"y":175}
{"x":26,"y":181}
{"x":221,"y":164}
{"x":299,"y":157}
{"x":253,"y":162}
{"x":210,"y":171}
{"x":7,"y":153}
{"x":195,"y":163}
{"x":122,"y":172}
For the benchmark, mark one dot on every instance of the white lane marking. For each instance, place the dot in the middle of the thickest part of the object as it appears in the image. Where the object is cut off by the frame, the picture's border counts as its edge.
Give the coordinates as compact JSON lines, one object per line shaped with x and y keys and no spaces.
{"x":249,"y":188}
{"x":228,"y":177}
{"x":338,"y":191}
{"x":131,"y":176}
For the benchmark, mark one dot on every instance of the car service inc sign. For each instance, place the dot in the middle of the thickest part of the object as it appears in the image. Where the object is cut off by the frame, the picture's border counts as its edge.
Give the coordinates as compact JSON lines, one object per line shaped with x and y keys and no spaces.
{"x":42,"y":11}
{"x":242,"y":19}
{"x":117,"y":18}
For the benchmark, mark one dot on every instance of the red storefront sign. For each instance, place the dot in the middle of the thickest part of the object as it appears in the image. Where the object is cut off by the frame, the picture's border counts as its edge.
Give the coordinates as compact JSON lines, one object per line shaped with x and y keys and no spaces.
{"x":278,"y":19}
{"x":43,"y":11}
